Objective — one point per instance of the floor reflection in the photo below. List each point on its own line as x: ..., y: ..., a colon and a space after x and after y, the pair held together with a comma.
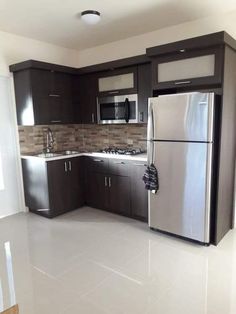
x: 90, y: 261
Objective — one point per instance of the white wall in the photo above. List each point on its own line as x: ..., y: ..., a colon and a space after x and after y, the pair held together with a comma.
x: 137, y: 45
x: 15, y: 49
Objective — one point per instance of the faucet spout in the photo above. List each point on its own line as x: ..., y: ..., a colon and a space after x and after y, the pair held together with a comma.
x: 49, y: 141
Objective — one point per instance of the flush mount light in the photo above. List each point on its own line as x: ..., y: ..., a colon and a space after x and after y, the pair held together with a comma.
x: 90, y: 16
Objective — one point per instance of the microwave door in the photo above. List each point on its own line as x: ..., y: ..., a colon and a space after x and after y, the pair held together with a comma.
x: 117, y: 109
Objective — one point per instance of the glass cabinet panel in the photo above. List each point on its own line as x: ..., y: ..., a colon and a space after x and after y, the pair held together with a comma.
x: 186, y: 68
x: 116, y: 82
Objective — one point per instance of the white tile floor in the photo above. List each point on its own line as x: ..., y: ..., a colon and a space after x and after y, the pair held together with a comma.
x: 93, y: 262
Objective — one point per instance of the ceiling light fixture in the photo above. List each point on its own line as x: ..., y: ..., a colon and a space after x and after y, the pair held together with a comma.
x: 90, y: 16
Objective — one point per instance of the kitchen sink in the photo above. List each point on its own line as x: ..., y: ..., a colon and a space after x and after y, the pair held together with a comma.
x: 48, y: 155
x: 70, y: 152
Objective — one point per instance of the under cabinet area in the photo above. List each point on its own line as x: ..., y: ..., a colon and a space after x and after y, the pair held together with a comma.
x: 53, y: 187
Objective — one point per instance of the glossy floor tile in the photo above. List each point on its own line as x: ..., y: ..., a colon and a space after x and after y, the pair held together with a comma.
x: 92, y: 262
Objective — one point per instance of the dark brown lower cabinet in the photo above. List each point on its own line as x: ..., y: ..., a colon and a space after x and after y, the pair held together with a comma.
x: 53, y: 187
x: 109, y: 192
x: 139, y: 198
x: 116, y: 186
x: 97, y: 190
x: 119, y: 194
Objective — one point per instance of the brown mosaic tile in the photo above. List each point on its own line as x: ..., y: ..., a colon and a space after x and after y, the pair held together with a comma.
x: 82, y: 137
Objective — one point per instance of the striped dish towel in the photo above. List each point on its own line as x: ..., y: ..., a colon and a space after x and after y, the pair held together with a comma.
x: 150, y: 178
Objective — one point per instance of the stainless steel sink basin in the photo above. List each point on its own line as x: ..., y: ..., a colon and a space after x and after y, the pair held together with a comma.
x: 70, y: 152
x: 48, y: 155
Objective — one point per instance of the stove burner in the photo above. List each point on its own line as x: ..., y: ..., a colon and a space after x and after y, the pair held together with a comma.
x: 122, y: 151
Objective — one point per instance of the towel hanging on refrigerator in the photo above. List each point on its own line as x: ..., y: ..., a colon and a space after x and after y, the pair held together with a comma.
x: 150, y: 178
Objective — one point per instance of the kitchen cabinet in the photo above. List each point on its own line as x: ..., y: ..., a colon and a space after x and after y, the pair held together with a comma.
x: 118, y: 82
x: 119, y: 194
x: 43, y: 97
x: 139, y: 196
x: 97, y: 190
x: 116, y: 185
x: 85, y: 94
x: 199, y: 67
x: 53, y: 187
x: 144, y: 91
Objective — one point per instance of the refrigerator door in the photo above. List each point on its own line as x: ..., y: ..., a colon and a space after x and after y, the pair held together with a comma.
x: 181, y: 117
x: 182, y: 204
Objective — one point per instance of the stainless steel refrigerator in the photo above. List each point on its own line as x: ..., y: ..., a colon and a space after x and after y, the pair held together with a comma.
x: 180, y: 144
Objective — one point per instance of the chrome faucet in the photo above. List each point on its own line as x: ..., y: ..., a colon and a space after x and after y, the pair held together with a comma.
x: 49, y: 141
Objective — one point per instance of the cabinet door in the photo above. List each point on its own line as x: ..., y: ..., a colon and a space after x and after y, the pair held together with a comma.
x: 188, y: 68
x: 75, y: 197
x: 121, y: 81
x: 139, y: 195
x: 86, y: 96
x: 144, y: 91
x: 98, y: 190
x: 120, y: 194
x: 62, y: 96
x: 41, y: 82
x: 58, y: 186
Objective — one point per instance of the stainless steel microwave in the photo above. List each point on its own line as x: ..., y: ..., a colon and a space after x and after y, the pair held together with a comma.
x: 117, y: 109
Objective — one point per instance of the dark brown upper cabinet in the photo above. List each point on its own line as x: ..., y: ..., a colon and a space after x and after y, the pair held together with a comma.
x: 144, y: 91
x: 43, y: 97
x: 200, y: 67
x: 85, y: 92
x: 118, y: 82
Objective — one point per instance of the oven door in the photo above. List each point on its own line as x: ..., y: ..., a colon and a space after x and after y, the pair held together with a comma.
x: 117, y: 109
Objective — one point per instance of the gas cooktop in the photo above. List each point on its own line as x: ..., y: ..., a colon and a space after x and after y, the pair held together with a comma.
x: 122, y: 151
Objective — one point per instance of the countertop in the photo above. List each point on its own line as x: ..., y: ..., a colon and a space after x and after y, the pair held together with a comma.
x: 139, y: 157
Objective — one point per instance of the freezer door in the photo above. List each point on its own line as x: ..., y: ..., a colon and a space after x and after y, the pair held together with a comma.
x: 181, y: 117
x: 182, y: 204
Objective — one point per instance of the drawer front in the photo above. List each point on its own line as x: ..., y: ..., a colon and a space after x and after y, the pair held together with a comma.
x: 98, y: 164
x: 120, y: 167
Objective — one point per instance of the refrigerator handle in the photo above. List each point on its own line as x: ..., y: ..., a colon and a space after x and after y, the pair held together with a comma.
x: 150, y: 126
x: 150, y: 133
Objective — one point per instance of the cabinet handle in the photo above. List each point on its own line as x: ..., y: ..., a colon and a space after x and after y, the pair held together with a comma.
x: 55, y: 121
x: 109, y: 180
x: 113, y: 92
x: 54, y: 95
x: 141, y: 117
x: 70, y: 166
x: 120, y: 163
x: 145, y: 165
x: 93, y: 119
x: 98, y: 160
x: 183, y: 82
x: 65, y: 166
x: 105, y: 181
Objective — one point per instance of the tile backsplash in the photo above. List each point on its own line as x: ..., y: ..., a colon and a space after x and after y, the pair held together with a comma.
x: 82, y: 137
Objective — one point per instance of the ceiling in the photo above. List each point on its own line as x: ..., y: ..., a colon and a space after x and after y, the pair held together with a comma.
x: 59, y: 22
